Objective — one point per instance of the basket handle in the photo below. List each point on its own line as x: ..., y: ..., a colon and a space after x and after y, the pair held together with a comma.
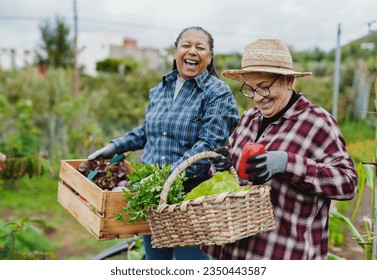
x: 180, y: 168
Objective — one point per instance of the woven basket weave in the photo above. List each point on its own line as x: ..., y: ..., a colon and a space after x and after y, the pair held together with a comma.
x: 209, y: 220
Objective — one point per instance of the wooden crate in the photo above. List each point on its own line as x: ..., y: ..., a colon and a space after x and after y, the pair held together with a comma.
x: 93, y: 207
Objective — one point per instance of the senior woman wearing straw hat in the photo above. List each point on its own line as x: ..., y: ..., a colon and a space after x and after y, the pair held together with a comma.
x: 307, y: 164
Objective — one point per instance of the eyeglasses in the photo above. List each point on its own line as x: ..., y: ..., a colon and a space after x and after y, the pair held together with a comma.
x: 249, y: 91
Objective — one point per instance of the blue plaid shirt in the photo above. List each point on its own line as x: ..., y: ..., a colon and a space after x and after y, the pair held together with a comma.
x: 201, y: 118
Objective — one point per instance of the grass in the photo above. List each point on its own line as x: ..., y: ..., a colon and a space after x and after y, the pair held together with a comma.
x: 360, y: 139
x: 357, y: 131
x: 22, y: 194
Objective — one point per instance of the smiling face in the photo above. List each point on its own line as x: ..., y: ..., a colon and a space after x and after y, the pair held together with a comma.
x: 192, y: 53
x: 280, y: 92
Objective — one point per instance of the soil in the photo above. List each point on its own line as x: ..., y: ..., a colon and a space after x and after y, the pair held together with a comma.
x: 70, y: 246
x: 350, y: 250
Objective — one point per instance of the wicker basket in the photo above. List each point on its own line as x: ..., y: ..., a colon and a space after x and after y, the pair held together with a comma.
x: 209, y: 220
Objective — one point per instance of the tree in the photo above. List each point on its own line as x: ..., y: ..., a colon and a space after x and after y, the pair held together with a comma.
x: 114, y: 65
x: 56, y: 47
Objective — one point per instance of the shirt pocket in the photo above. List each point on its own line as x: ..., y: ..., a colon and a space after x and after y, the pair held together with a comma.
x: 185, y: 125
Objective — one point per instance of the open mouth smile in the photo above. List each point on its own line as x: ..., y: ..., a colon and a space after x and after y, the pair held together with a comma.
x: 264, y: 103
x: 191, y: 63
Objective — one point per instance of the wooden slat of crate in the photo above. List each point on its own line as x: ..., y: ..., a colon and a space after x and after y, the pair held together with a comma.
x: 79, y: 209
x: 74, y: 179
x: 97, y: 211
x: 114, y: 202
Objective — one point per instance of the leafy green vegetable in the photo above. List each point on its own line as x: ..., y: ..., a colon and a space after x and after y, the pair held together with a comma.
x: 141, y: 171
x: 219, y: 183
x: 147, y: 181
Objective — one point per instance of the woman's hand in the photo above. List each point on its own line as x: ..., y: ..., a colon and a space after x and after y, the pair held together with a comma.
x: 223, y: 162
x: 264, y: 166
x: 106, y: 152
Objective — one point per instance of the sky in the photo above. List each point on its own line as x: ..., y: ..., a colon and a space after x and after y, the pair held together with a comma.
x: 302, y: 24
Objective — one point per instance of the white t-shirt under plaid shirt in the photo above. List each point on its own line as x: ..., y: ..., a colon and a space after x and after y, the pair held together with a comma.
x: 201, y: 118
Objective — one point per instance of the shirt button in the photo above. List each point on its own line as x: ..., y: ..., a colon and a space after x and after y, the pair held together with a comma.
x: 162, y: 157
x: 164, y: 133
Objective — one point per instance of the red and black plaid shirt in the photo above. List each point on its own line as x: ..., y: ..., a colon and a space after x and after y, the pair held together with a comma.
x: 319, y: 170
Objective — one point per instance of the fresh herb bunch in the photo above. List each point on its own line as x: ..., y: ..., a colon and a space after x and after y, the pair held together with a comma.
x: 147, y: 182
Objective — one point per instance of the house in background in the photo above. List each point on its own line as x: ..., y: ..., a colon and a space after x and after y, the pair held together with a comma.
x: 152, y: 57
x: 16, y: 58
x: 93, y: 47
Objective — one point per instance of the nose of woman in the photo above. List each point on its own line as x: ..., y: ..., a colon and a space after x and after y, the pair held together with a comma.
x: 193, y: 51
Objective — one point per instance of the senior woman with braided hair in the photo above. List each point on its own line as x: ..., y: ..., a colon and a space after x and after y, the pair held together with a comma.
x: 190, y: 111
x: 306, y: 164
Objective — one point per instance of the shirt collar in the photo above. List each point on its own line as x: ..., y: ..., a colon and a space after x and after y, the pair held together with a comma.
x: 172, y: 76
x: 297, y: 108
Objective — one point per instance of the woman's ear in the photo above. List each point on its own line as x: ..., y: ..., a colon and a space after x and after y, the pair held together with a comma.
x: 290, y: 81
x: 210, y: 59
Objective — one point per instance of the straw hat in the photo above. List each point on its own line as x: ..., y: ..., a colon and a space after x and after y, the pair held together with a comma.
x: 265, y: 55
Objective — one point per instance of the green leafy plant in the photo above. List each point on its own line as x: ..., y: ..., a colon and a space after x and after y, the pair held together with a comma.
x: 135, y: 250
x: 367, y: 176
x: 219, y: 183
x: 146, y: 184
x: 23, y: 239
